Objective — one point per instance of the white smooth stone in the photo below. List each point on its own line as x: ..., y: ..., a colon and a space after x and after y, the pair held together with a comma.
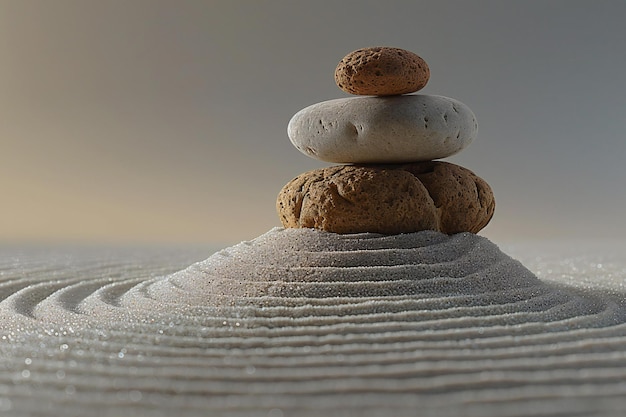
x: 406, y: 128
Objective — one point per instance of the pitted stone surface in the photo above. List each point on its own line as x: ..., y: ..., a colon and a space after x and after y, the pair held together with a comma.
x: 396, y: 129
x: 387, y: 199
x: 350, y: 199
x: 464, y: 201
x: 381, y: 71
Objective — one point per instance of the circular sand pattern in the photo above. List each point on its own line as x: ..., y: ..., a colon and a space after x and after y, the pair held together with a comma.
x: 302, y: 322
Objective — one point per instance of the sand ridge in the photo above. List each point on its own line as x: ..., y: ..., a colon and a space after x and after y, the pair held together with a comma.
x: 302, y: 322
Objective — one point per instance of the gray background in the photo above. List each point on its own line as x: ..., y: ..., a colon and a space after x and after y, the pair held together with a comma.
x: 165, y: 121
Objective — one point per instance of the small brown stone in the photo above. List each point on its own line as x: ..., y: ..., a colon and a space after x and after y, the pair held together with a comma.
x: 387, y: 199
x: 381, y: 71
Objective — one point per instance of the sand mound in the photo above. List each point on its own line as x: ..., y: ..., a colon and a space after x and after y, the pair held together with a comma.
x: 305, y: 276
x: 291, y: 267
x: 302, y: 322
x: 293, y: 277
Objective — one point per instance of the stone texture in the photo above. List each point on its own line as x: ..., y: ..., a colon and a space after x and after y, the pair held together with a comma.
x: 387, y: 199
x: 394, y: 129
x: 381, y: 71
x: 464, y: 201
x: 351, y: 199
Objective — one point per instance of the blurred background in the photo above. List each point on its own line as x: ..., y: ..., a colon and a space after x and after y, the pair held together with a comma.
x: 149, y: 121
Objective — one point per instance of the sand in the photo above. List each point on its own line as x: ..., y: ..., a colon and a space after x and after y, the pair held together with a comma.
x: 301, y: 322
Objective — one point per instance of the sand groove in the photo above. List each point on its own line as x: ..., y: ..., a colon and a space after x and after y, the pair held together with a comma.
x: 305, y: 323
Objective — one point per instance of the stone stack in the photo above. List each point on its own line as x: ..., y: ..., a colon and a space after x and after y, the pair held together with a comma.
x: 387, y: 140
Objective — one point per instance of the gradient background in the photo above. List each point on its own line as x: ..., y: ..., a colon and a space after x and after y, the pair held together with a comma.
x: 165, y: 121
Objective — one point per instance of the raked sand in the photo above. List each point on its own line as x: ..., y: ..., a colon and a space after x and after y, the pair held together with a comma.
x: 303, y: 323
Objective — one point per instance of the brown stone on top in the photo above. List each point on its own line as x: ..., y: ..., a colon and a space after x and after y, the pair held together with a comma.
x: 381, y: 71
x: 387, y: 199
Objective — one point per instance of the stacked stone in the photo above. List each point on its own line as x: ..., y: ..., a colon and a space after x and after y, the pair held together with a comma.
x: 386, y: 140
